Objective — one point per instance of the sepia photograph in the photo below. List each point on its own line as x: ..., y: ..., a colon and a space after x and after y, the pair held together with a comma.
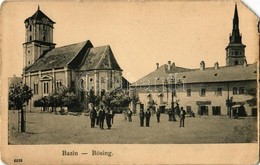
x: 143, y: 77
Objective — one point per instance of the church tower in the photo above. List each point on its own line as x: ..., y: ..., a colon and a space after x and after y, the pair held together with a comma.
x: 235, y: 51
x: 38, y: 37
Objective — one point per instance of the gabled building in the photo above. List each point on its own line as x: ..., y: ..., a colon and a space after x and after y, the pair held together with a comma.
x: 204, y: 90
x: 79, y: 66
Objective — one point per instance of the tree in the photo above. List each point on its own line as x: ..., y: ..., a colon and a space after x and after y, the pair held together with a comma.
x: 116, y: 98
x: 43, y: 102
x: 19, y: 95
x: 92, y: 98
x: 70, y: 100
x: 61, y: 97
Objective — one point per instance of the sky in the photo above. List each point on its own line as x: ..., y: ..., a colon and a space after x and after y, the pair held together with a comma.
x: 140, y: 33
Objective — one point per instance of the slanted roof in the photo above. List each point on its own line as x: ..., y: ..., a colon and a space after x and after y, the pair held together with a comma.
x: 99, y: 58
x: 125, y: 83
x: 38, y: 15
x: 223, y: 74
x: 159, y: 75
x: 70, y: 55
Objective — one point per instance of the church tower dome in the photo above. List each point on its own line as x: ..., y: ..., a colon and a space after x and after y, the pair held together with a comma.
x: 38, y: 37
x: 235, y: 51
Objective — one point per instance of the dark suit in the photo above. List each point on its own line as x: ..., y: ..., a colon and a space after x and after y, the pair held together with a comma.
x: 108, y: 119
x: 93, y: 115
x: 101, y: 116
x: 182, y: 117
x: 158, y: 114
x: 141, y: 115
x: 147, y: 118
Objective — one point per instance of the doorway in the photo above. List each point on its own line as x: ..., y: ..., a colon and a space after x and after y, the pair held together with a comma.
x: 203, y: 110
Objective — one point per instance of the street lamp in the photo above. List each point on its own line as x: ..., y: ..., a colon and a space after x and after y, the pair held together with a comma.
x: 169, y: 112
x: 229, y: 103
x: 174, y: 85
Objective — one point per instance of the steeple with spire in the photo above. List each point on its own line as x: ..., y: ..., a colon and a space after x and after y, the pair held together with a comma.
x: 235, y: 37
x: 235, y: 51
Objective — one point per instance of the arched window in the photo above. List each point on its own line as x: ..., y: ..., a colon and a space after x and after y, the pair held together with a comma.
x: 30, y: 28
x: 44, y: 38
x: 30, y: 38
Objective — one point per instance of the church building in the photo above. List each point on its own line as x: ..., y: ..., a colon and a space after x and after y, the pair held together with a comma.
x: 79, y: 66
x: 205, y: 90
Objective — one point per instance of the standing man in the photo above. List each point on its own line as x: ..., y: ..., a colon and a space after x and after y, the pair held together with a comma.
x: 182, y: 117
x: 108, y: 118
x: 125, y: 114
x: 158, y: 114
x: 101, y: 116
x: 93, y: 115
x: 147, y: 117
x: 129, y: 114
x: 97, y: 122
x: 113, y: 114
x: 141, y: 115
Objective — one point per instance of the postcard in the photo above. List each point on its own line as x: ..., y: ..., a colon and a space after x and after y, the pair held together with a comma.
x: 129, y: 82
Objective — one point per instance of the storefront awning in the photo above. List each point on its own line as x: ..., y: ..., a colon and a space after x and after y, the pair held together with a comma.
x: 235, y: 106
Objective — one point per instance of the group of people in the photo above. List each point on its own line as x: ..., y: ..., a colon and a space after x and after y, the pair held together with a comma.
x: 146, y: 116
x: 98, y: 117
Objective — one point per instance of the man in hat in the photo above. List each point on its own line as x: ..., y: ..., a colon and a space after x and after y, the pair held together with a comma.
x: 141, y: 115
x: 147, y: 117
x: 101, y: 116
x: 182, y: 117
x: 92, y: 114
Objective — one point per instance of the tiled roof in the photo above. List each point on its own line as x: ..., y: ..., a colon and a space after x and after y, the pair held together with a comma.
x: 159, y: 75
x: 70, y: 55
x: 38, y: 15
x: 222, y: 74
x: 99, y: 58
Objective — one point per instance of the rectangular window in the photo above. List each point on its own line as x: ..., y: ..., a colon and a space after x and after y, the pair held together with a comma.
x: 58, y: 84
x: 203, y: 92
x: 45, y: 88
x: 188, y: 92
x: 35, y: 88
x: 241, y: 90
x: 219, y: 92
x: 188, y: 108
x: 216, y: 110
x: 234, y: 90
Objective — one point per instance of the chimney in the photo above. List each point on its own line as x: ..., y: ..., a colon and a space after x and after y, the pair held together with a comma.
x: 202, y: 65
x: 157, y: 65
x: 245, y: 63
x: 216, y: 65
x: 169, y: 65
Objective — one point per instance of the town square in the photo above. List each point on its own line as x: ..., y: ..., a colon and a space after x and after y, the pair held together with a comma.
x: 129, y: 82
x: 82, y: 92
x: 75, y: 129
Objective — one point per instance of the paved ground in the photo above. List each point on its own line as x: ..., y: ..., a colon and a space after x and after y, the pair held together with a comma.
x: 46, y: 128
